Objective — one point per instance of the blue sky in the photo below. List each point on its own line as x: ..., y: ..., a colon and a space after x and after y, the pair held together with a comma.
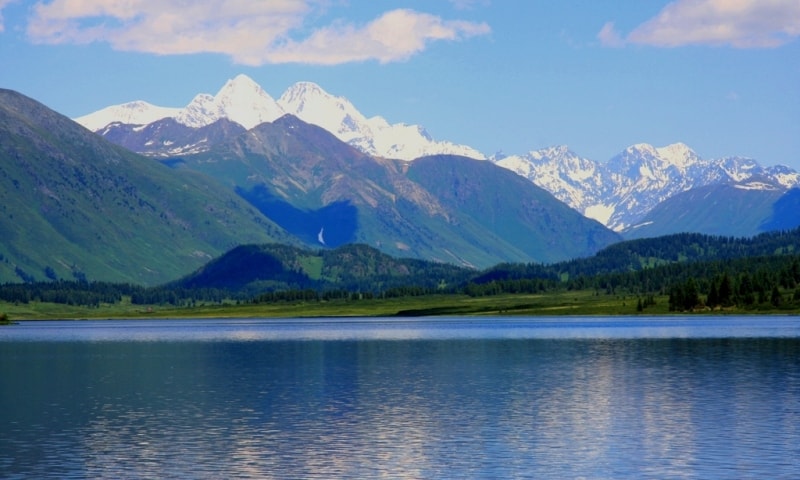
x: 722, y: 76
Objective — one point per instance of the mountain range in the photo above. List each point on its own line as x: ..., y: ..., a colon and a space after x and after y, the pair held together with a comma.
x: 619, y: 193
x: 446, y: 208
x: 75, y: 205
x: 223, y: 172
x: 244, y: 102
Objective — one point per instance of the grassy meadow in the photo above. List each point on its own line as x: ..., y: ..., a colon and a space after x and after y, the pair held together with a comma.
x: 552, y: 304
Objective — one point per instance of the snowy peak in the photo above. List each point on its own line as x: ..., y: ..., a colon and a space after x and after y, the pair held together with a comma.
x: 133, y: 113
x: 307, y: 94
x: 240, y: 85
x: 375, y: 136
x: 678, y: 154
x: 310, y: 103
x: 240, y: 100
x: 243, y: 101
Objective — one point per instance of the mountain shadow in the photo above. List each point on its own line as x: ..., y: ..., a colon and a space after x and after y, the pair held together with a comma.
x: 784, y: 212
x: 333, y: 225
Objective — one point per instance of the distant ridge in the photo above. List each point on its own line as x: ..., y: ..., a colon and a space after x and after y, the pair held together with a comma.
x: 620, y: 193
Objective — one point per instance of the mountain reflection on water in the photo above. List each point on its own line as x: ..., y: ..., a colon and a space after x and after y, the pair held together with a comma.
x: 440, y: 399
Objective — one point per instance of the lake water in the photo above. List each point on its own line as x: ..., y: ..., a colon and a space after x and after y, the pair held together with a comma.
x: 666, y: 397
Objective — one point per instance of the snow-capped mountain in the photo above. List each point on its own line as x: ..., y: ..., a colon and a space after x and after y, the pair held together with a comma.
x: 375, y: 136
x: 243, y: 101
x: 617, y: 193
x: 621, y: 191
x: 131, y: 113
x: 240, y: 100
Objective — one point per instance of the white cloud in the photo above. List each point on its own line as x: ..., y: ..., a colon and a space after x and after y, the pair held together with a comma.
x: 609, y: 37
x: 736, y: 23
x: 250, y: 32
x: 394, y: 36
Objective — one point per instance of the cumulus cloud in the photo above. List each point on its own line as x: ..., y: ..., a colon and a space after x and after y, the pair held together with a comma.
x: 250, y: 32
x: 736, y: 23
x: 394, y: 36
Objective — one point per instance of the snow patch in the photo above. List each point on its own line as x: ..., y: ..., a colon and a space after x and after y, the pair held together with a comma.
x: 754, y: 186
x: 601, y: 213
x: 643, y: 224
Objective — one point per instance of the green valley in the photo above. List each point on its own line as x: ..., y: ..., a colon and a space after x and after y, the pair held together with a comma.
x: 675, y: 274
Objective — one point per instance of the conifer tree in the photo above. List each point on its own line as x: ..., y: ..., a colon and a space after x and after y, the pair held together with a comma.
x: 776, y: 296
x: 713, y: 295
x: 691, y: 296
x: 725, y: 292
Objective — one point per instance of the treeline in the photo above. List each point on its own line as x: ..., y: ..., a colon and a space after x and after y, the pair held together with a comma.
x: 742, y: 290
x: 93, y: 294
x: 66, y: 292
x: 696, y: 271
x: 690, y: 285
x: 743, y: 282
x: 310, y: 295
x: 645, y: 253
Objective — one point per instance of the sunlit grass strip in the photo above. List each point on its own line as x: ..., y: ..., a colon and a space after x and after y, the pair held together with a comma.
x: 562, y: 303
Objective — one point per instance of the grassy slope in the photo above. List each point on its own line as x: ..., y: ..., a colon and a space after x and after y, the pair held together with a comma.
x: 563, y: 303
x: 713, y: 210
x: 75, y: 203
x: 445, y: 208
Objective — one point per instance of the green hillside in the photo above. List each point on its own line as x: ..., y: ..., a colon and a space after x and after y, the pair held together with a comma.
x: 326, y: 192
x: 352, y: 268
x: 521, y: 217
x: 730, y: 210
x: 73, y: 205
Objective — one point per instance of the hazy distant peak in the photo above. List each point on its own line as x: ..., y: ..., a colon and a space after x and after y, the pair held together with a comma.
x: 134, y: 113
x: 678, y: 154
x: 242, y: 82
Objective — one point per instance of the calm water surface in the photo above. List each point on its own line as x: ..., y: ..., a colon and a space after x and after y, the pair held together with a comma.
x: 701, y: 397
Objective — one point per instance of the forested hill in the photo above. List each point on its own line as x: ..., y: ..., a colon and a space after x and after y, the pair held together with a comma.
x: 636, y: 255
x: 275, y: 267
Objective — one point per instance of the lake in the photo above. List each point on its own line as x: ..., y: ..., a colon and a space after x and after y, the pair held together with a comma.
x: 567, y: 397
